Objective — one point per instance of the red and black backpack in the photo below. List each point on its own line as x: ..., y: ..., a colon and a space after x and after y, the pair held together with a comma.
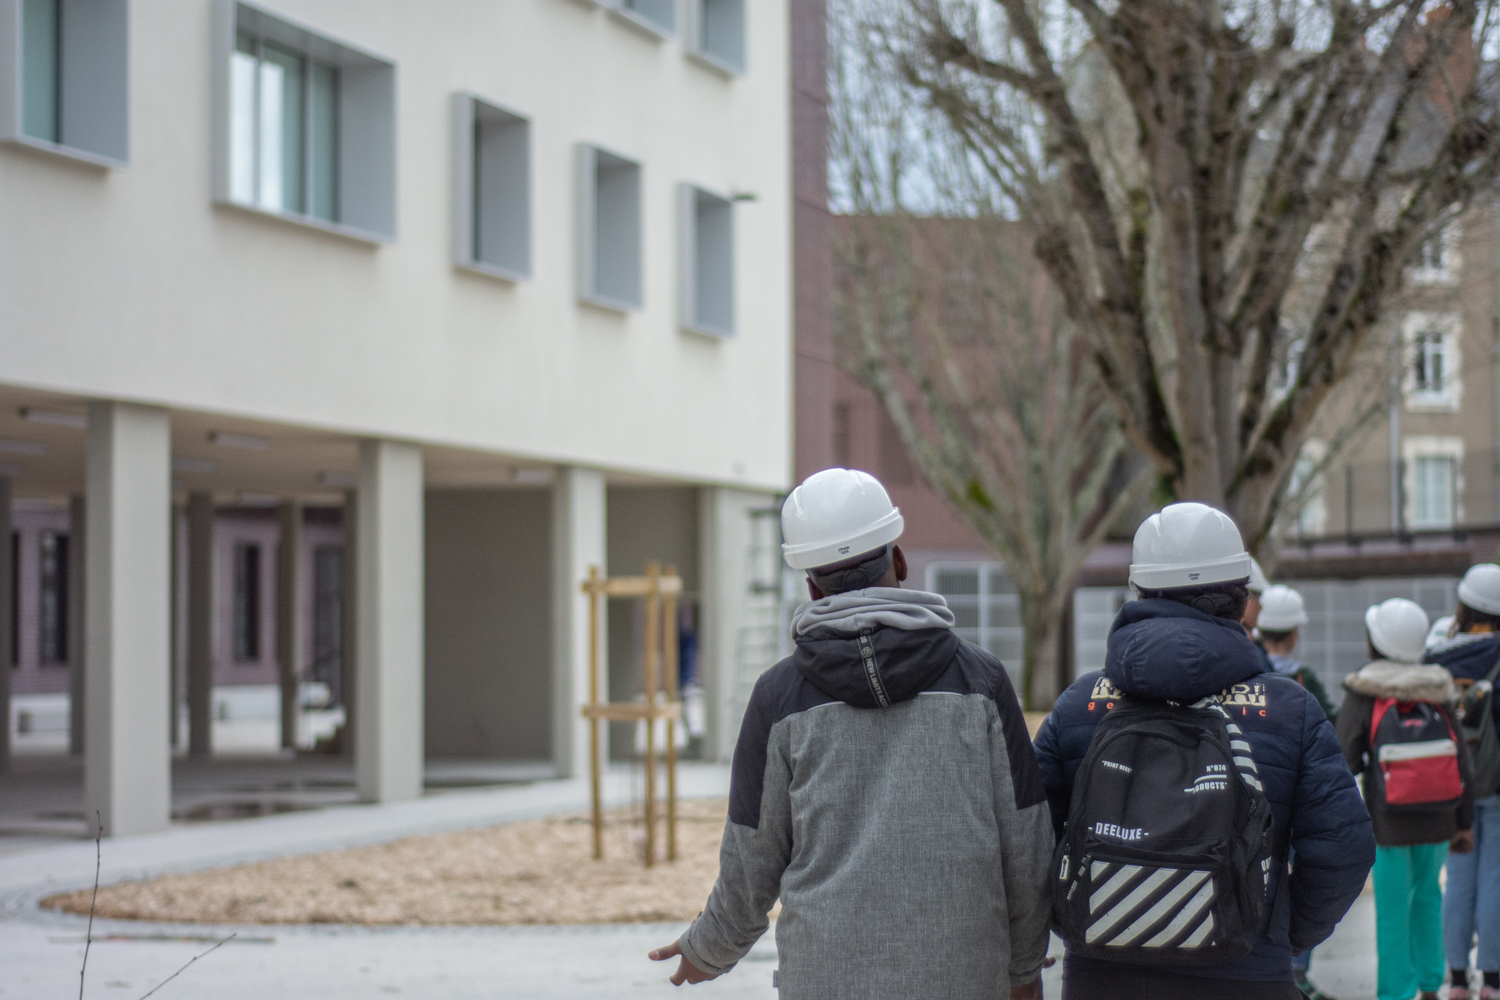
x: 1414, y: 756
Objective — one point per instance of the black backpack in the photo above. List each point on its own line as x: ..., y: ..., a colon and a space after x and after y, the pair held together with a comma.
x: 1167, y: 852
x: 1476, y: 712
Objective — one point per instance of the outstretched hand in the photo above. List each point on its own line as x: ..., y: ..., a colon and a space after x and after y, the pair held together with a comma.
x: 686, y: 972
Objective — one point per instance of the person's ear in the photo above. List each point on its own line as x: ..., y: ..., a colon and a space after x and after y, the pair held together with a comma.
x: 898, y: 563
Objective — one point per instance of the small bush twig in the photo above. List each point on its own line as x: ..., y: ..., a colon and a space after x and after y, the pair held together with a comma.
x: 190, y: 962
x: 89, y: 938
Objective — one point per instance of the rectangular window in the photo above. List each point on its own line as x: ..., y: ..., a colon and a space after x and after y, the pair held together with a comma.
x: 68, y: 92
x: 1427, y: 361
x: 283, y: 130
x: 328, y: 614
x: 247, y: 578
x: 1438, y: 259
x: 53, y: 613
x: 609, y: 259
x: 718, y: 33
x: 707, y: 264
x: 41, y: 69
x: 1433, y: 377
x: 1435, y: 481
x: 307, y: 125
x: 492, y: 189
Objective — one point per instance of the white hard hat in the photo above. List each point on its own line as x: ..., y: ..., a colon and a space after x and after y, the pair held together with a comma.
x: 1257, y: 582
x: 1440, y: 629
x: 1398, y: 629
x: 1281, y: 609
x: 1187, y: 545
x: 1480, y: 588
x: 836, y: 515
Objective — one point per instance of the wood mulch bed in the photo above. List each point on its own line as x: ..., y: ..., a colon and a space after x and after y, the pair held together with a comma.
x: 533, y: 872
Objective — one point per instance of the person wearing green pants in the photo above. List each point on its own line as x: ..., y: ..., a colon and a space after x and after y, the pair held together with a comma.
x: 1411, y: 841
x: 1409, y: 920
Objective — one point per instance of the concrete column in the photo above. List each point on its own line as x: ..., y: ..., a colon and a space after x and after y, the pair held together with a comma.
x: 578, y: 542
x: 7, y: 620
x: 349, y: 620
x: 77, y: 634
x: 724, y: 548
x: 288, y: 617
x: 200, y: 623
x: 174, y: 663
x: 127, y: 775
x: 388, y: 751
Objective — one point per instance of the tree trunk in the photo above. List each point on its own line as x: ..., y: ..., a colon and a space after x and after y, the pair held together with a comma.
x: 1040, y: 617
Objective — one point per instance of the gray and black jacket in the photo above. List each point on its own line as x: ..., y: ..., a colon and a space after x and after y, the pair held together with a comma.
x: 884, y: 787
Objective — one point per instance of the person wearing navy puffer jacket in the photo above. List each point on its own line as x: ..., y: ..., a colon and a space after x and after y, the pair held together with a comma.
x: 1182, y: 642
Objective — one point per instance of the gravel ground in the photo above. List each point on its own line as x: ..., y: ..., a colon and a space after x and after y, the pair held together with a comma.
x: 535, y: 872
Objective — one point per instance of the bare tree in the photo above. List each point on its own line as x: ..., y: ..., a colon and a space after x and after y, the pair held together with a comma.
x: 1209, y: 183
x: 953, y: 325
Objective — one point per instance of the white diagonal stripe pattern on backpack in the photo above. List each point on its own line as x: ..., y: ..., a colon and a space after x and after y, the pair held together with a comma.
x: 1198, y: 936
x: 1126, y: 906
x: 1096, y: 868
x: 1185, y: 916
x: 1118, y: 881
x: 1163, y: 906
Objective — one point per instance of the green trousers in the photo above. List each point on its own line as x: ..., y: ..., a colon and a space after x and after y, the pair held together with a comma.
x: 1409, y: 920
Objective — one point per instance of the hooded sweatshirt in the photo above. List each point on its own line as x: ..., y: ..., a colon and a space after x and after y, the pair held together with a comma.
x: 1160, y: 650
x: 884, y: 789
x: 1404, y: 682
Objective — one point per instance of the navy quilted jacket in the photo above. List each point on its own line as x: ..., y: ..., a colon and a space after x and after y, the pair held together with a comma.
x: 1160, y: 650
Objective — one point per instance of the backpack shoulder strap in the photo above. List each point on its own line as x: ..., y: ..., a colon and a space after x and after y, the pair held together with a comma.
x: 1382, y: 705
x: 1494, y: 671
x: 1239, y: 746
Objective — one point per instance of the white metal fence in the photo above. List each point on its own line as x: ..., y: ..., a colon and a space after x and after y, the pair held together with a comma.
x: 1332, y: 642
x: 986, y: 607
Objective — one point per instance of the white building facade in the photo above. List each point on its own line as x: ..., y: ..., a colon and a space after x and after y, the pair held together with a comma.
x: 502, y: 289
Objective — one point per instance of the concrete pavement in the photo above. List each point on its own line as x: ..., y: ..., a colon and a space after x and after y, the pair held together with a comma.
x: 40, y: 951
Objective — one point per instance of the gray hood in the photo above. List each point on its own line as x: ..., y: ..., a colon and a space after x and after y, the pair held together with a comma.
x: 1402, y: 681
x: 851, y: 612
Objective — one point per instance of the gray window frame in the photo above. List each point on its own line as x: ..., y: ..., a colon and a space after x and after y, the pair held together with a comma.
x: 623, y: 207
x: 366, y: 122
x: 695, y: 37
x: 93, y: 82
x: 692, y: 203
x: 491, y: 188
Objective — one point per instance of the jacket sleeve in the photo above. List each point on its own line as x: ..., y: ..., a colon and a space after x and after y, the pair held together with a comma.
x: 1026, y: 840
x: 1465, y: 816
x: 1330, y: 832
x: 1353, y: 729
x: 1054, y: 779
x: 756, y: 849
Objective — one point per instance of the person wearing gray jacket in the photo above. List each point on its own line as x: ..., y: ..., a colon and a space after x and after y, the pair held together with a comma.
x: 883, y: 788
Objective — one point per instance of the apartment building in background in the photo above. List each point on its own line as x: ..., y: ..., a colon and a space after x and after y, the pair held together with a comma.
x: 340, y: 339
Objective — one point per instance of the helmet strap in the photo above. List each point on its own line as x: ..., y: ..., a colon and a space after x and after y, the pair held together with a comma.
x: 840, y: 580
